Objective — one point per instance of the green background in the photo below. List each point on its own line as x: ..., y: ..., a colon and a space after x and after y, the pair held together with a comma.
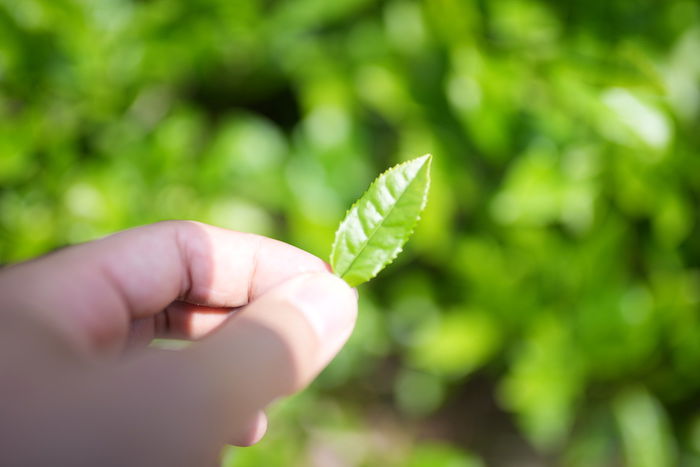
x: 546, y: 310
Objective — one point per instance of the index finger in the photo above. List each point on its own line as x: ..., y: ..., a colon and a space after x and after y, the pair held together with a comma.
x: 94, y: 290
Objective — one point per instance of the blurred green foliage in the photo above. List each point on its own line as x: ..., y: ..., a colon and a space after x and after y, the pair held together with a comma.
x: 546, y: 312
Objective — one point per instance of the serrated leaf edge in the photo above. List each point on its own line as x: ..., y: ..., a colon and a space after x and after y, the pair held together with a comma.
x: 408, y: 234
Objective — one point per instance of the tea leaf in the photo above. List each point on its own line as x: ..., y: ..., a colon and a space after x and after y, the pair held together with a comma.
x: 378, y: 225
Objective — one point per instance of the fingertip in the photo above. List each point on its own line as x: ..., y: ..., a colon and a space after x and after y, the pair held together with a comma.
x: 253, y: 433
x: 329, y: 305
x: 278, y: 343
x: 327, y: 302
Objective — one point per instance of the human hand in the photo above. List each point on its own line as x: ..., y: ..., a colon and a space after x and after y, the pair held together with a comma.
x: 80, y: 387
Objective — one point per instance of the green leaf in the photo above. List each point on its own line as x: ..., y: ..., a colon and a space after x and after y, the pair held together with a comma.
x: 379, y: 223
x: 646, y: 434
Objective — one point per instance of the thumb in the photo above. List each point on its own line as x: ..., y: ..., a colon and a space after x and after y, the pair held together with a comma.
x: 277, y: 344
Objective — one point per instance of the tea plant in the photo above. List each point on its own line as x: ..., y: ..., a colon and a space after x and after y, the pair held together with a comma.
x: 379, y: 223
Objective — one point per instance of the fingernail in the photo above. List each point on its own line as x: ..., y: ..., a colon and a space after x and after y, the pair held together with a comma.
x: 328, y: 303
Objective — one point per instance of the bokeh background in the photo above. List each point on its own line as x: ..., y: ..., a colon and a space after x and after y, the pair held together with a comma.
x: 545, y: 312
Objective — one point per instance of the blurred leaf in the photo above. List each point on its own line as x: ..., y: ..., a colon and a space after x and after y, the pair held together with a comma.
x: 418, y: 393
x: 645, y: 433
x: 441, y: 455
x: 545, y: 384
x: 461, y: 342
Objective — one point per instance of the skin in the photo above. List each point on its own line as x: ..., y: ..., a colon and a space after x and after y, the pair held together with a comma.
x: 79, y: 385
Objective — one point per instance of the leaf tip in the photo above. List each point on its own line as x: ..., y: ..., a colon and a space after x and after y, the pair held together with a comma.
x: 425, y: 158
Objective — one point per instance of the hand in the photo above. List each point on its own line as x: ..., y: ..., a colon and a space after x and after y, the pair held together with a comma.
x: 78, y: 386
